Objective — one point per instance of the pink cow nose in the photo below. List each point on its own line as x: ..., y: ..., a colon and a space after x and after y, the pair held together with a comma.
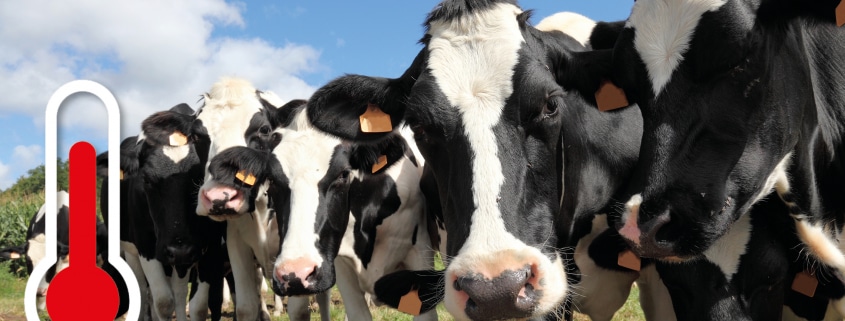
x: 222, y: 198
x: 299, y: 270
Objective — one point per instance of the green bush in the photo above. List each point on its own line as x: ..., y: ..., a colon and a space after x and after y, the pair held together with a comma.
x: 15, y: 213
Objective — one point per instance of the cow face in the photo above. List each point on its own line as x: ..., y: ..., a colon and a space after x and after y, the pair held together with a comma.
x: 723, y: 88
x: 234, y: 113
x: 315, y: 183
x: 485, y: 110
x: 171, y: 159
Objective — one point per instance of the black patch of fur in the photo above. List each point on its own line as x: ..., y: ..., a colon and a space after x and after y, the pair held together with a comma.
x: 390, y: 288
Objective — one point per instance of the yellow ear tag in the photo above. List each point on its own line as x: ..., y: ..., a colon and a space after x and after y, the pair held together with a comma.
x: 374, y: 120
x: 178, y: 139
x: 805, y: 283
x: 248, y: 179
x: 610, y: 97
x: 382, y: 161
x: 628, y: 259
x: 840, y: 14
x: 15, y: 255
x: 121, y: 174
x: 410, y: 303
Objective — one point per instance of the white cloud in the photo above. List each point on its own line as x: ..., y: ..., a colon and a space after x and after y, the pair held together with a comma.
x: 150, y: 54
x: 28, y: 155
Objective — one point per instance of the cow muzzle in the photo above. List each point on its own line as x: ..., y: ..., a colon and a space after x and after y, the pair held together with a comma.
x: 221, y: 202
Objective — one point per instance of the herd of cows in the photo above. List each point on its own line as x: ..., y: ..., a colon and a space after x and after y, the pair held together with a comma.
x: 696, y: 149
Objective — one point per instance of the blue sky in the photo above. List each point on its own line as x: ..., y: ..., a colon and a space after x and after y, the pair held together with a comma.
x: 156, y: 54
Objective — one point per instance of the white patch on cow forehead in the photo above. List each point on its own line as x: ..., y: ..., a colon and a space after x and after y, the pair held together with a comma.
x: 473, y: 60
x: 305, y: 157
x: 227, y: 111
x: 662, y: 32
x: 728, y: 249
x: 176, y: 153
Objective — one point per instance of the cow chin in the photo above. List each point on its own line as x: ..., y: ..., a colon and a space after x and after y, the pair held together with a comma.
x: 540, y: 285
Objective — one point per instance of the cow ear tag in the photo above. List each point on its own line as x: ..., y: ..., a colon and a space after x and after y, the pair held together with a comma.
x: 382, y: 162
x: 410, y: 303
x: 374, y: 120
x: 610, y: 97
x: 805, y: 283
x: 628, y: 259
x: 840, y: 14
x: 178, y: 139
x: 121, y: 174
x: 248, y: 179
x: 63, y: 299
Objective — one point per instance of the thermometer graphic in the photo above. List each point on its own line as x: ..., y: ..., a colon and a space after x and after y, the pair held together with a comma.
x: 61, y: 302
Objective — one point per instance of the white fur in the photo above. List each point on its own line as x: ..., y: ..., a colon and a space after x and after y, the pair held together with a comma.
x: 777, y: 175
x: 176, y: 153
x: 728, y: 249
x: 663, y: 31
x: 570, y: 23
x: 654, y: 296
x: 305, y: 157
x: 473, y: 60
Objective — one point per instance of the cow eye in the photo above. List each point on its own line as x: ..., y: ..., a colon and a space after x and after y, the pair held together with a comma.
x: 343, y: 177
x: 551, y: 106
x: 264, y: 130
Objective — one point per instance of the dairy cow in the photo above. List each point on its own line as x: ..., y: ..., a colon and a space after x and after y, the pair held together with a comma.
x: 347, y: 213
x: 162, y: 239
x: 233, y: 115
x: 738, y: 99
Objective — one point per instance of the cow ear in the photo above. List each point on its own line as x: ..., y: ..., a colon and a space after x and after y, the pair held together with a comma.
x: 337, y: 107
x: 428, y: 285
x: 168, y: 128
x: 589, y: 72
x: 377, y: 158
x: 605, y: 34
x: 183, y: 109
x: 129, y: 163
x: 242, y: 166
x: 279, y: 113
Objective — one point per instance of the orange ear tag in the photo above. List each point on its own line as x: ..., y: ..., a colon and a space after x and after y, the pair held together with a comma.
x: 374, y: 120
x: 628, y: 259
x: 805, y: 283
x: 248, y: 179
x: 410, y: 303
x: 840, y: 14
x: 178, y: 139
x: 382, y: 161
x: 610, y: 97
x: 121, y: 174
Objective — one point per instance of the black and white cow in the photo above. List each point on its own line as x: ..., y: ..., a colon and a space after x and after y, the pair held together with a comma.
x: 485, y: 107
x: 738, y: 98
x: 233, y: 115
x: 344, y: 216
x: 35, y: 250
x: 163, y: 239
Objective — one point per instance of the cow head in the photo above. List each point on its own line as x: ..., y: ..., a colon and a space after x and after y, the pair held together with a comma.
x: 485, y: 109
x: 316, y: 182
x: 171, y: 151
x: 234, y: 113
x: 724, y: 92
